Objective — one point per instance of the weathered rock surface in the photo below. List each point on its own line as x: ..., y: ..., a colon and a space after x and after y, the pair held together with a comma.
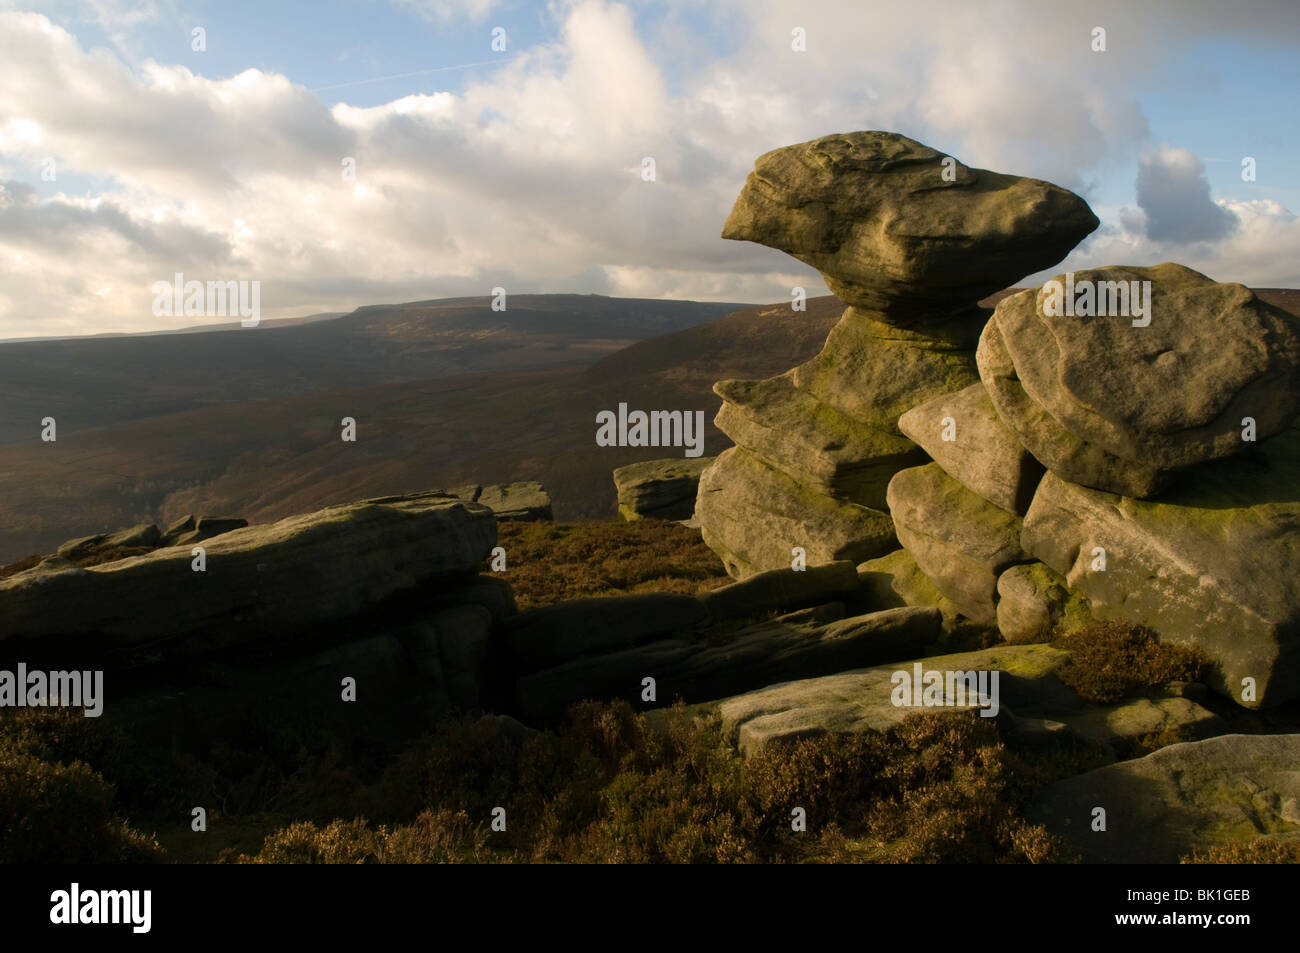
x: 1129, y: 722
x: 811, y: 441
x: 875, y: 372
x: 565, y: 631
x: 1050, y: 443
x: 961, y: 541
x: 696, y: 671
x: 659, y: 489
x: 876, y: 214
x: 964, y: 435
x: 1034, y: 601
x: 895, y: 580
x: 1212, y: 564
x: 1169, y: 394
x: 260, y: 581
x: 520, y: 502
x: 1179, y: 799
x: 779, y: 589
x: 862, y: 700
x: 752, y: 516
x: 144, y: 536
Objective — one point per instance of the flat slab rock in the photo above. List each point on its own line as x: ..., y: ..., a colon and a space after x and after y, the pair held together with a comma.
x: 261, y: 581
x: 861, y: 700
x: 659, y: 489
x: 1179, y: 799
x: 819, y: 446
x: 1137, y: 718
x: 511, y: 502
x: 781, y: 589
x: 758, y: 655
x: 896, y: 225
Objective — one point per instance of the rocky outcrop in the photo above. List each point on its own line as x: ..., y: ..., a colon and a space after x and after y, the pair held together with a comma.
x: 910, y: 240
x: 1178, y: 800
x: 254, y: 583
x: 142, y: 537
x: 1156, y: 401
x: 510, y: 502
x: 759, y: 655
x: 659, y: 489
x: 1212, y: 564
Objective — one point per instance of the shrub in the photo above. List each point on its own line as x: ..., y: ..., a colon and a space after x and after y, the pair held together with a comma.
x: 61, y: 813
x: 615, y: 786
x: 553, y: 562
x: 1113, y: 660
x: 1261, y: 850
x: 434, y: 838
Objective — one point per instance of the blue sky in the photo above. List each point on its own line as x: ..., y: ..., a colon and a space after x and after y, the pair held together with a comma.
x: 523, y: 170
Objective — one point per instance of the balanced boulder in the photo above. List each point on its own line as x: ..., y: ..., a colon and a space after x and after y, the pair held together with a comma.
x: 898, y: 227
x: 911, y: 240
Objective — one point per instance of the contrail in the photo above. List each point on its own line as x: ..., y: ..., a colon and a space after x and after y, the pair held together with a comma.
x: 418, y: 72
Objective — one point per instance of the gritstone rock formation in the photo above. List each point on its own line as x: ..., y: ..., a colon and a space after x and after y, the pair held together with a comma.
x: 1120, y: 445
x: 911, y: 241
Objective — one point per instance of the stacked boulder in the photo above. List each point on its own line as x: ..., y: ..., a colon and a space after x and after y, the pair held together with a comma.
x: 1122, y: 443
x: 1132, y: 412
x: 910, y: 240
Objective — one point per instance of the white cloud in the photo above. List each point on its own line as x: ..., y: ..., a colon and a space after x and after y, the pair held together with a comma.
x: 1175, y: 197
x: 446, y: 11
x: 530, y: 178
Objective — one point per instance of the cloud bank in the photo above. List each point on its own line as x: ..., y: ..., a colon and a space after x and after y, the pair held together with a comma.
x: 530, y: 178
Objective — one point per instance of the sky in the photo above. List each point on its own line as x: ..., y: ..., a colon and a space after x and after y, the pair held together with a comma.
x: 501, y: 143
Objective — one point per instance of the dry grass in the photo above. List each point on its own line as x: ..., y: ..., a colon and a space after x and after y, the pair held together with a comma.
x: 612, y: 787
x: 555, y: 562
x: 1263, y: 850
x: 1114, y: 660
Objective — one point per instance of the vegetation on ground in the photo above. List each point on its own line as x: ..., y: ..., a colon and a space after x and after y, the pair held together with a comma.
x: 1261, y: 850
x: 1114, y: 660
x: 611, y: 785
x: 555, y: 562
